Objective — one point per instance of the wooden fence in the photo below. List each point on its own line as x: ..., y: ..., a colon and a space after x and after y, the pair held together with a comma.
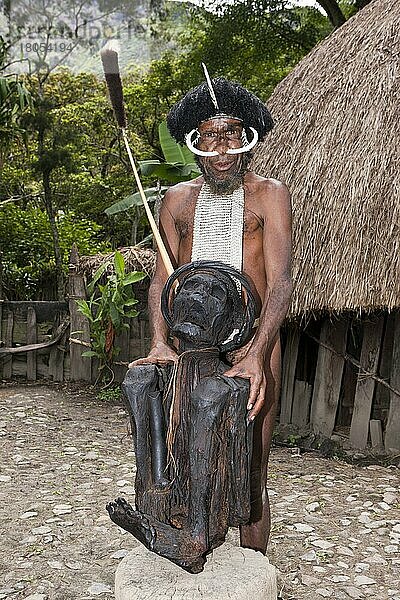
x: 46, y: 340
x: 34, y: 339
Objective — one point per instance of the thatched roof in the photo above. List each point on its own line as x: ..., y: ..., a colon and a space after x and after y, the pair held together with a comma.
x: 337, y: 146
x: 136, y: 259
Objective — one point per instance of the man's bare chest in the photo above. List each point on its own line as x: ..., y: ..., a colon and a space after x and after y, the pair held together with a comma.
x: 252, y: 222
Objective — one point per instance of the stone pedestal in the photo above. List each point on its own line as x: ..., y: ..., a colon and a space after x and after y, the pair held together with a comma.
x: 230, y: 572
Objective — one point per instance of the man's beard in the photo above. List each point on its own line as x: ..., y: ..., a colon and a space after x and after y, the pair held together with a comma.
x: 231, y: 182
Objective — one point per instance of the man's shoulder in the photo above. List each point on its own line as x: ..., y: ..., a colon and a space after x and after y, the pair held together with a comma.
x: 184, y: 189
x: 179, y: 197
x: 257, y: 183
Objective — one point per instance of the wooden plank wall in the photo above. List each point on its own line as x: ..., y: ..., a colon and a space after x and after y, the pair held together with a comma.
x: 328, y: 376
x: 370, y: 352
x: 288, y: 373
x: 392, y: 436
x: 374, y: 415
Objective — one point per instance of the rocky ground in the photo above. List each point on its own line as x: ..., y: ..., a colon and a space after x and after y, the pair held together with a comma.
x: 66, y: 453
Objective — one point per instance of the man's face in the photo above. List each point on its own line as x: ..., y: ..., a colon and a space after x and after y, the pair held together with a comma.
x: 224, y: 173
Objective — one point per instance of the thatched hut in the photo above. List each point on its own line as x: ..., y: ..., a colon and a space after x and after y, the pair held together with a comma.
x: 337, y: 146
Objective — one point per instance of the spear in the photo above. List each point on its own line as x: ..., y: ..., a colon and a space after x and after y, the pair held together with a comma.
x: 109, y: 58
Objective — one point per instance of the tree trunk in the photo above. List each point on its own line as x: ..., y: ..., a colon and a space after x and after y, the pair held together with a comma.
x: 1, y: 279
x: 362, y: 3
x: 54, y: 232
x: 332, y: 9
x: 48, y: 203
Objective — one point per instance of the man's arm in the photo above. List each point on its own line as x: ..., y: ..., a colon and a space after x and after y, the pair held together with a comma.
x: 277, y: 250
x: 160, y: 351
x: 277, y: 246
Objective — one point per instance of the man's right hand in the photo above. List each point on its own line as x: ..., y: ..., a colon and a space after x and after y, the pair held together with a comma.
x: 160, y: 354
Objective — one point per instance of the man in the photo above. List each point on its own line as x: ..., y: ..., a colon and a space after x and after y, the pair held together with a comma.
x: 235, y: 216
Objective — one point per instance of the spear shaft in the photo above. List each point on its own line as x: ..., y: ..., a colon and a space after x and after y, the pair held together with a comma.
x: 109, y: 57
x: 160, y: 244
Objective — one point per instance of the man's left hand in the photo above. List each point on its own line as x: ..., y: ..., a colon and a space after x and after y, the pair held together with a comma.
x: 252, y: 367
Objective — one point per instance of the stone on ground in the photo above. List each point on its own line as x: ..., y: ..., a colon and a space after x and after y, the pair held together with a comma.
x: 230, y: 572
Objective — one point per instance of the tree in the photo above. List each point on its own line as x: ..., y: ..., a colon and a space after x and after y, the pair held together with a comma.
x: 33, y: 46
x: 27, y: 247
x: 256, y: 42
x: 14, y: 101
x: 333, y: 11
x: 339, y: 12
x: 86, y: 169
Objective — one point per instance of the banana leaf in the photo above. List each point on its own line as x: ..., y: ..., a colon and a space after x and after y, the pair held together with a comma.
x: 173, y: 152
x: 172, y: 172
x: 134, y: 200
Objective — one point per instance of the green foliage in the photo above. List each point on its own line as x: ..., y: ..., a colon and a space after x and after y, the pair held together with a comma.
x: 173, y: 153
x: 111, y: 395
x: 179, y: 163
x: 27, y: 250
x: 135, y: 200
x: 70, y: 135
x: 108, y: 308
x: 15, y: 99
x: 255, y: 42
x: 171, y: 172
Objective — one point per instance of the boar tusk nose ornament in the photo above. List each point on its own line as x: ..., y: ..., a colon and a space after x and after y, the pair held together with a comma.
x: 248, y: 146
x: 190, y: 143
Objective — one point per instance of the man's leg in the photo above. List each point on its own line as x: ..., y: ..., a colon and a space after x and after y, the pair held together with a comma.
x: 255, y: 535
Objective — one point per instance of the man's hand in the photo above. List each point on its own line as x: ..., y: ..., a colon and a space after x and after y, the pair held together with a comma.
x: 160, y: 354
x: 252, y: 367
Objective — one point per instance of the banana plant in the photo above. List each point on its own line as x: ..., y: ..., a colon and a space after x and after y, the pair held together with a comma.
x: 108, y: 309
x: 179, y: 165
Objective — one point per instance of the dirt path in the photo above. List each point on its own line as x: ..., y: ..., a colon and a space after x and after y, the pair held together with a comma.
x: 65, y: 454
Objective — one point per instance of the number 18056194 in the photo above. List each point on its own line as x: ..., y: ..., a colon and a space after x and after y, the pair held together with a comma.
x: 45, y: 47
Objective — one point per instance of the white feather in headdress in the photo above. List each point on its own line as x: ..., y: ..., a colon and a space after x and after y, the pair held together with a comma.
x: 210, y: 87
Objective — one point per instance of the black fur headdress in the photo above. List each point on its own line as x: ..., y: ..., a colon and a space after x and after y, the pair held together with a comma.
x: 233, y: 100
